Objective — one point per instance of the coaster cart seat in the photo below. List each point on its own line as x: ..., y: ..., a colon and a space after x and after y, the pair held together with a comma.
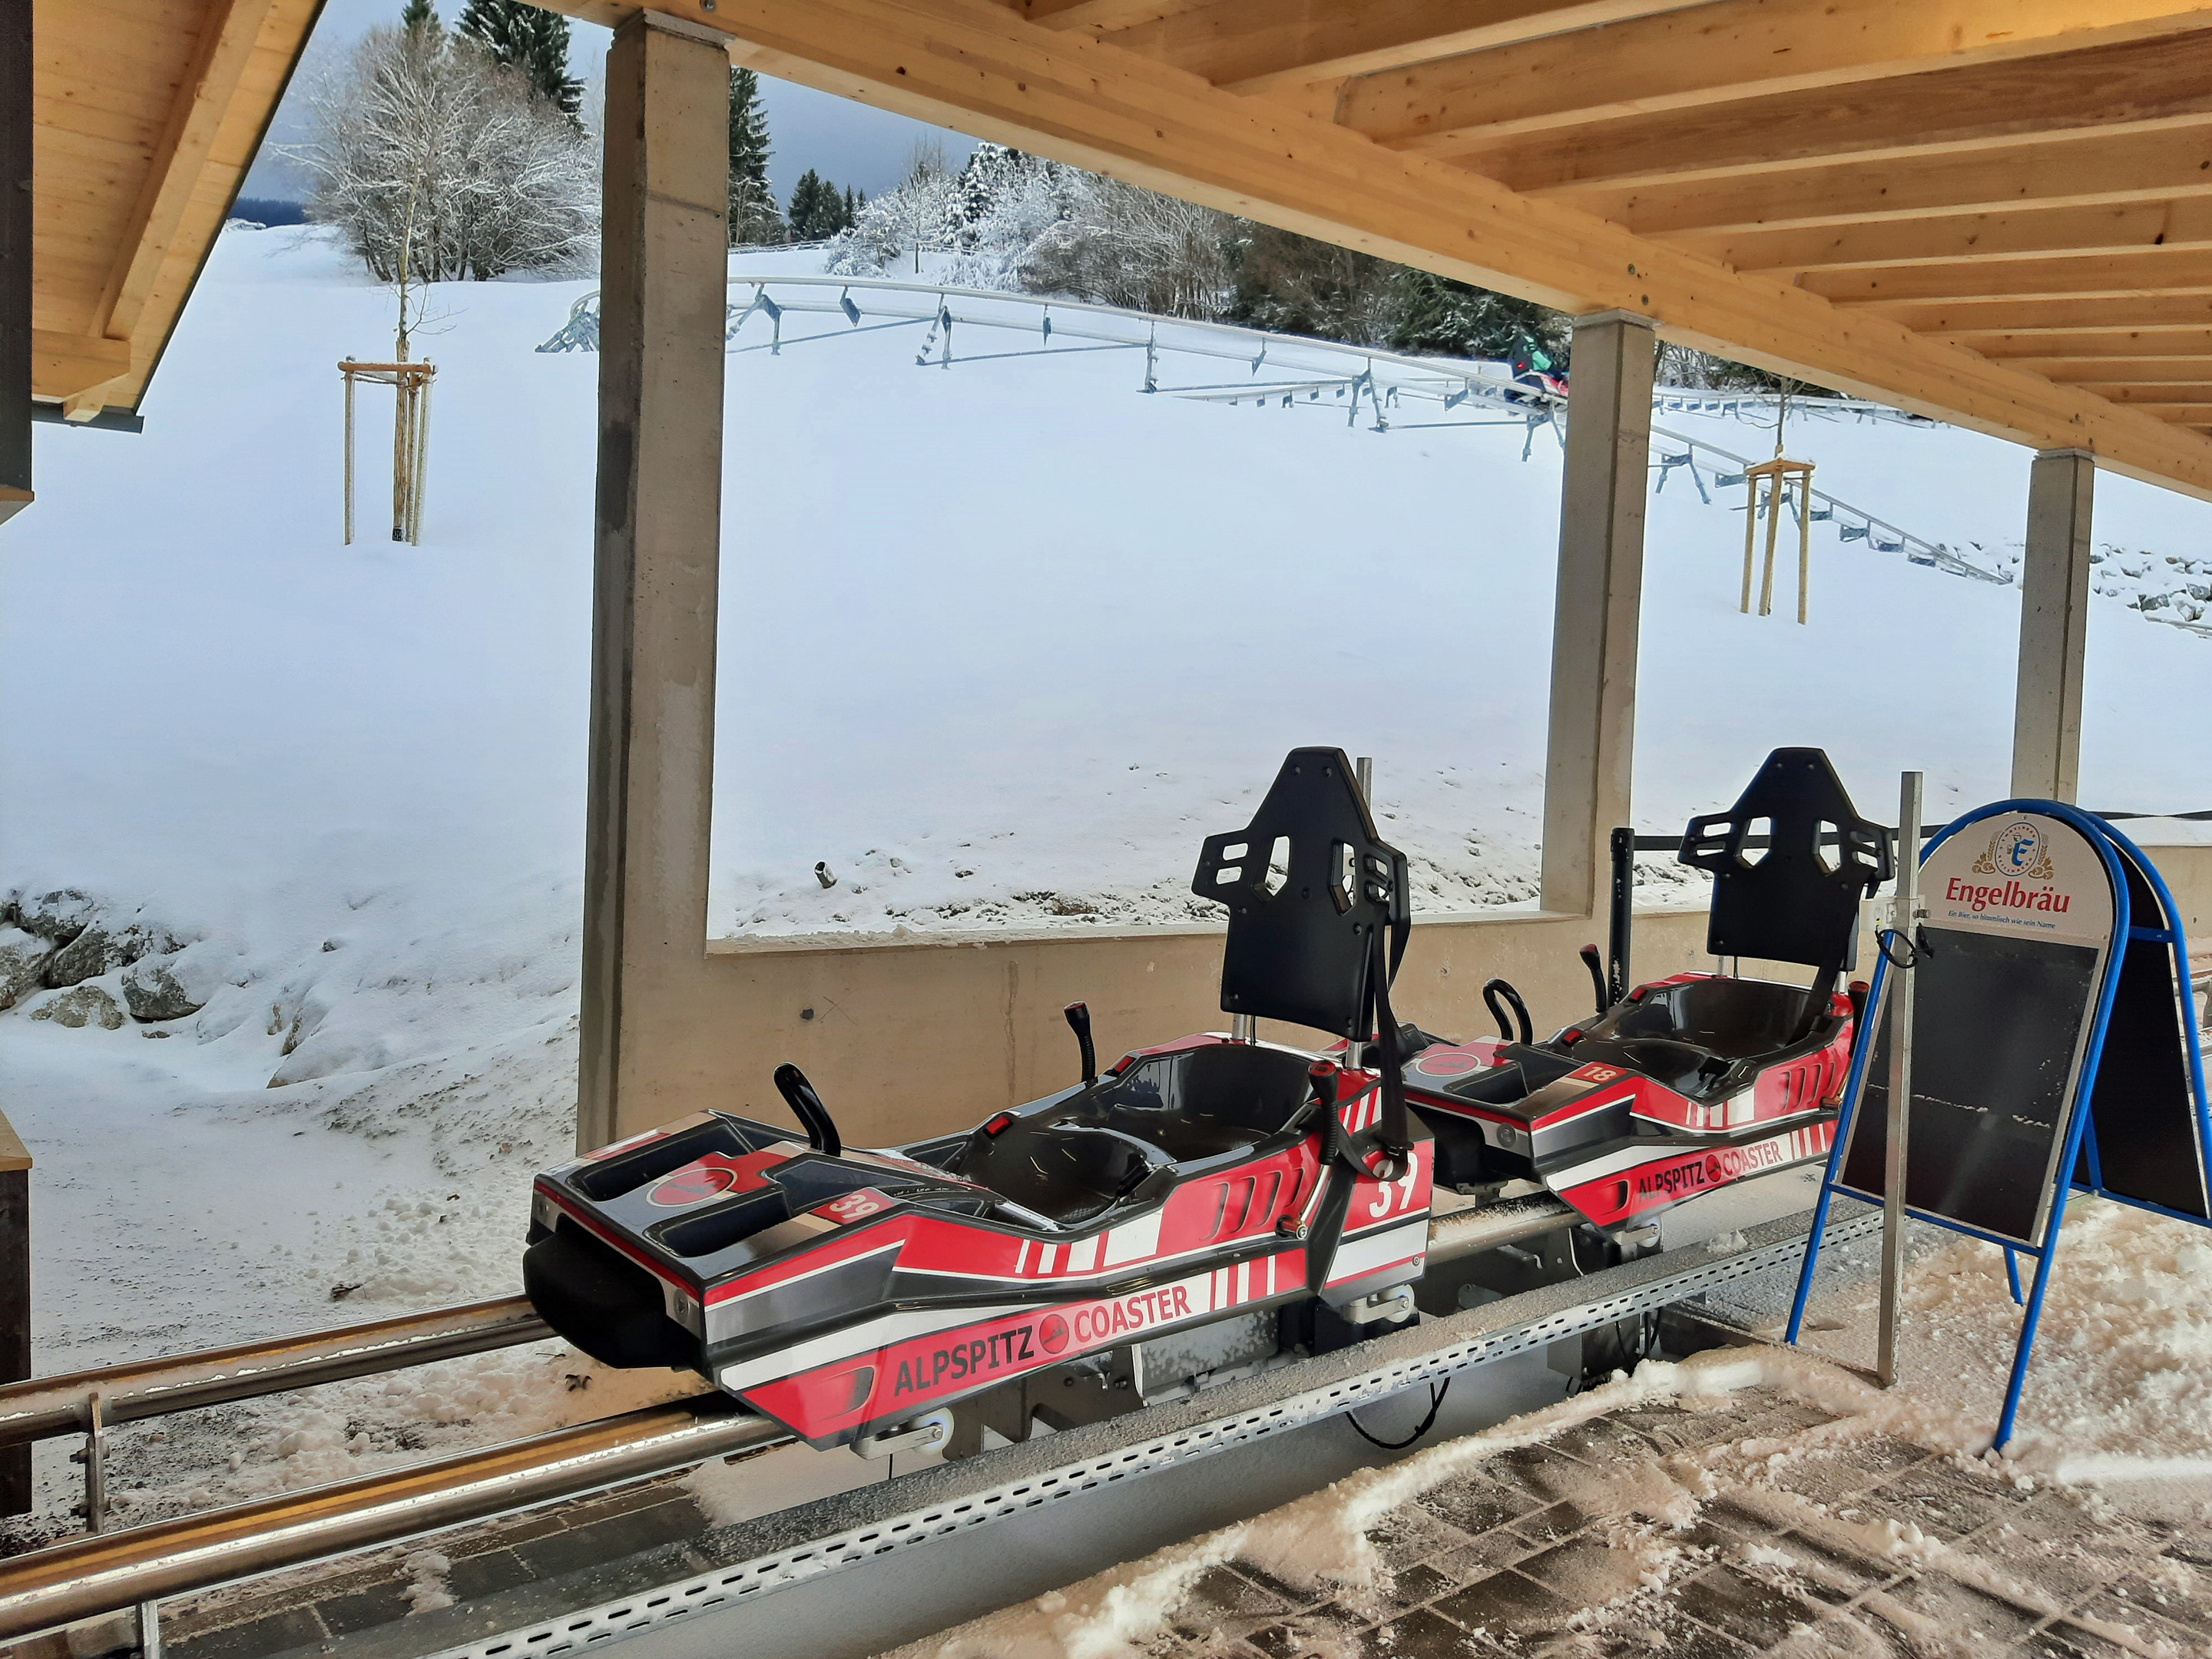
x: 1689, y: 1083
x: 844, y: 1292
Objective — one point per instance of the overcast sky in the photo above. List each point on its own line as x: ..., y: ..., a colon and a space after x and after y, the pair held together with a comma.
x: 848, y: 143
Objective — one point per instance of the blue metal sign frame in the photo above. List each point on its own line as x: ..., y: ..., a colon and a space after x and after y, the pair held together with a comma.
x: 2072, y: 1168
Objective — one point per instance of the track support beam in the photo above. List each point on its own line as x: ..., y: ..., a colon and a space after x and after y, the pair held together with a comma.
x: 657, y: 556
x: 2046, y: 733
x: 1599, y: 606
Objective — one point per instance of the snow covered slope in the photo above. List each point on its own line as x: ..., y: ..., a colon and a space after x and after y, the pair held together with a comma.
x: 999, y: 643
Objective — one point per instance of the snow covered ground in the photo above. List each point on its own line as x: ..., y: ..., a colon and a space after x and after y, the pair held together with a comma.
x: 999, y: 644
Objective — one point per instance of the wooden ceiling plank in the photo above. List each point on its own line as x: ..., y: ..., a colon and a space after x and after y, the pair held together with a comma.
x: 2091, y: 170
x: 2129, y: 345
x: 2137, y: 227
x: 64, y: 365
x: 1727, y: 51
x: 1966, y: 321
x: 227, y: 34
x: 1266, y: 46
x: 2121, y: 371
x: 2113, y: 276
x: 2137, y: 87
x: 973, y: 64
x: 1097, y: 15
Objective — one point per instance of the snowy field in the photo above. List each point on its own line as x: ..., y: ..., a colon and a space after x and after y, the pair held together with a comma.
x: 999, y: 643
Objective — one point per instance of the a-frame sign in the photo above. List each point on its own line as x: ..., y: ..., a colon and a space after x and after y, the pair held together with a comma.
x: 2054, y: 1047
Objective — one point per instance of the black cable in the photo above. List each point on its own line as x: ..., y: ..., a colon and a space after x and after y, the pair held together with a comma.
x: 1436, y: 1393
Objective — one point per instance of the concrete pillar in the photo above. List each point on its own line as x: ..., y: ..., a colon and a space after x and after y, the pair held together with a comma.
x: 1596, y: 615
x: 15, y: 256
x: 2054, y: 618
x: 657, y: 555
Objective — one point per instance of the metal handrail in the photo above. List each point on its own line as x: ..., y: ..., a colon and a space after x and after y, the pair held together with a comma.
x: 46, y: 1406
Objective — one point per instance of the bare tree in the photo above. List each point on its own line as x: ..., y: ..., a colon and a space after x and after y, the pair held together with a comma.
x: 428, y: 150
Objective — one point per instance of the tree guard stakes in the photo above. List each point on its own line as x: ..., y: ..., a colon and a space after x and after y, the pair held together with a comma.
x: 1781, y: 477
x: 2053, y: 1048
x: 411, y: 441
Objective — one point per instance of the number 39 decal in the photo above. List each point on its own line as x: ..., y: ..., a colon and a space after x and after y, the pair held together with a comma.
x: 854, y: 1206
x: 1396, y: 1194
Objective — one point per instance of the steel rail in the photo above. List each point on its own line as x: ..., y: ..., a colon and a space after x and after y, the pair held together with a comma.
x: 105, y: 1573
x: 46, y: 1406
x: 108, y: 1572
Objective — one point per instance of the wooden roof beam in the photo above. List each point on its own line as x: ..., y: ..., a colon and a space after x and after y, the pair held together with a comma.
x: 1729, y: 51
x: 1969, y: 322
x: 2086, y: 169
x: 2123, y: 371
x: 65, y: 366
x: 2186, y: 223
x: 2111, y: 276
x: 1268, y: 46
x: 228, y: 30
x: 2140, y: 346
x: 973, y: 64
x: 2139, y: 87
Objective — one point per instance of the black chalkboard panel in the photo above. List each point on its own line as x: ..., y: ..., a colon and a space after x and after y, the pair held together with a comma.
x: 2142, y: 1104
x: 1996, y: 1020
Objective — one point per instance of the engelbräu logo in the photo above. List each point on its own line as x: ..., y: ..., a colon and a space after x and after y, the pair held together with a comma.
x: 2017, y: 850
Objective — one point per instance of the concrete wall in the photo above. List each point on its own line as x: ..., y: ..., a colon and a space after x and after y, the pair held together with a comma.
x: 906, y: 1037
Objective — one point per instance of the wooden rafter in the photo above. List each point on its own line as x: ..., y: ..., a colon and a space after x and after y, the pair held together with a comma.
x: 974, y: 64
x: 228, y: 29
x: 2137, y: 229
x: 2094, y: 372
x: 2089, y: 169
x: 1727, y: 51
x: 2139, y: 86
x: 1967, y: 322
x: 2114, y: 276
x: 2135, y: 344
x: 1268, y: 46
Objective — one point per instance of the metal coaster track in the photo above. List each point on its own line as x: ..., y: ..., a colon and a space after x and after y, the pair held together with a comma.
x: 1301, y: 371
x: 104, y: 1572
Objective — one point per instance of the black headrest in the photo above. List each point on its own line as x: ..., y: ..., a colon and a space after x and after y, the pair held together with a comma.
x: 1798, y: 899
x: 1307, y: 884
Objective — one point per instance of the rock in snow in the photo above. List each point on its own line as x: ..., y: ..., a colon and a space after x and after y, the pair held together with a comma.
x: 60, y: 915
x: 92, y: 953
x: 155, y: 989
x: 22, y: 963
x: 81, y: 1005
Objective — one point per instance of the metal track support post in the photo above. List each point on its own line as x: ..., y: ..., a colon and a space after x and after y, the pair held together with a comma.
x: 1905, y: 922
x: 657, y: 563
x: 1598, y: 606
x: 348, y: 457
x: 2046, y: 730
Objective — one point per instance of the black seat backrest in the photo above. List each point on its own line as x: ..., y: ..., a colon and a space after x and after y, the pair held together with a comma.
x: 1798, y: 899
x: 1309, y: 884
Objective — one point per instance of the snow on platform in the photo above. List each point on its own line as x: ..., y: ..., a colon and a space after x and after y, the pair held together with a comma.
x: 1719, y: 1520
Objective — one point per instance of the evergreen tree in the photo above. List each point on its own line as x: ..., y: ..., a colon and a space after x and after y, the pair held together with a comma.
x: 419, y: 14
x: 535, y: 41
x: 753, y: 217
x: 819, y: 210
x: 1432, y: 313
